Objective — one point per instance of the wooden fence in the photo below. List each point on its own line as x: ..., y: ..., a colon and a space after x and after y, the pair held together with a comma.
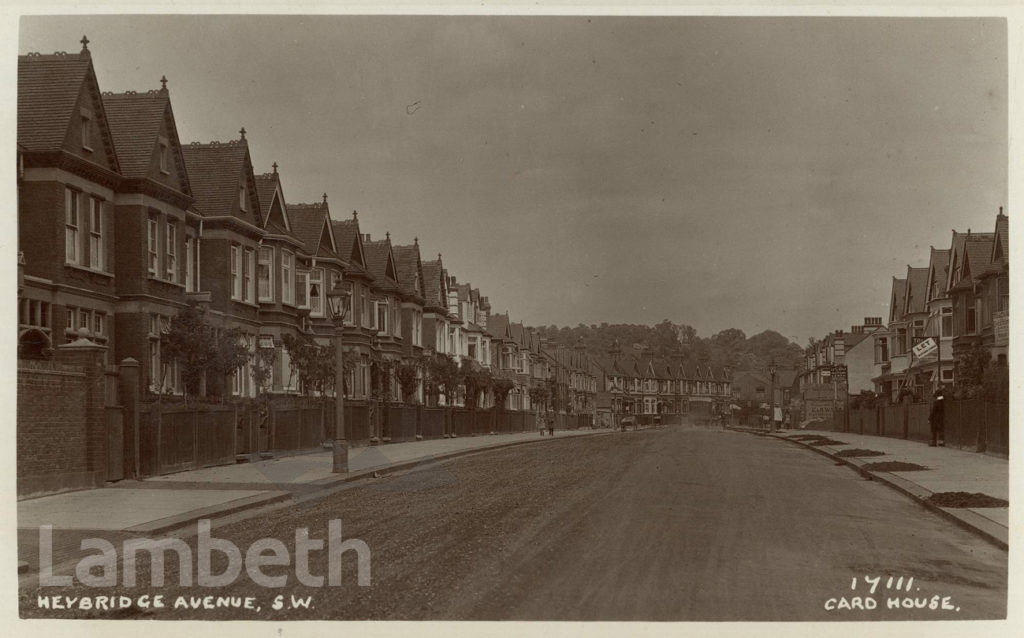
x: 970, y: 424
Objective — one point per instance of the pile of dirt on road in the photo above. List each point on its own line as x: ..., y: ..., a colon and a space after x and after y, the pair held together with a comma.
x: 826, y: 441
x: 966, y: 499
x: 858, y: 452
x: 893, y: 466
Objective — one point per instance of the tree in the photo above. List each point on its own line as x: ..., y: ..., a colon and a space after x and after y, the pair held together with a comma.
x: 970, y: 371
x: 263, y: 369
x: 443, y: 377
x: 190, y: 343
x: 313, y: 362
x: 501, y: 386
x: 230, y: 353
x: 408, y: 374
x: 476, y: 380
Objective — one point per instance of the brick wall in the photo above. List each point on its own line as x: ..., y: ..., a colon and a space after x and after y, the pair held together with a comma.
x: 41, y: 228
x: 61, y: 431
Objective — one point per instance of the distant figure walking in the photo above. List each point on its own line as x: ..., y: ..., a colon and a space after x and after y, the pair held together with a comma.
x: 937, y: 419
x: 551, y: 423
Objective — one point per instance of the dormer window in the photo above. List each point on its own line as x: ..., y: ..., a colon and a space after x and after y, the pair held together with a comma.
x: 86, y: 119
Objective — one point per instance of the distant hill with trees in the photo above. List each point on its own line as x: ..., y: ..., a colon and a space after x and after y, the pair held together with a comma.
x: 729, y: 347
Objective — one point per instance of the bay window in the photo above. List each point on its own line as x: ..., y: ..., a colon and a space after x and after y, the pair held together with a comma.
x: 72, y: 251
x: 287, y: 277
x: 236, y: 272
x: 96, y: 252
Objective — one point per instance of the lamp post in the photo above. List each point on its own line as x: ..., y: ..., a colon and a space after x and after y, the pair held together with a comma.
x: 771, y: 401
x: 338, y: 298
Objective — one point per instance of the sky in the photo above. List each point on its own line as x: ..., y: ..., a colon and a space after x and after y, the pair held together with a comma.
x: 722, y: 172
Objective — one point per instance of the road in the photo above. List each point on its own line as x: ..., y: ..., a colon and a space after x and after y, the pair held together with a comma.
x: 677, y: 524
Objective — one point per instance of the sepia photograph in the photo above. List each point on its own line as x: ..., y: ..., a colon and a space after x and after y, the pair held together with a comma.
x: 434, y: 317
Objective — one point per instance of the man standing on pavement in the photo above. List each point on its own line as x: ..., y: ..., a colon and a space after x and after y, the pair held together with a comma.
x: 937, y: 419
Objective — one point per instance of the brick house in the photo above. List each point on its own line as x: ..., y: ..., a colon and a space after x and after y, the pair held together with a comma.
x: 156, y: 228
x: 227, y: 198
x: 276, y: 264
x: 70, y: 174
x: 360, y: 332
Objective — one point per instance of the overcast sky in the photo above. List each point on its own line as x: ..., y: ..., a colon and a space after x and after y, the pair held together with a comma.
x: 722, y: 172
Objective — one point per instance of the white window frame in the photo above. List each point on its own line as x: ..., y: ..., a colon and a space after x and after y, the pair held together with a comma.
x: 86, y: 120
x: 152, y: 240
x: 302, y: 285
x: 377, y: 305
x: 315, y: 283
x: 190, y: 252
x: 265, y: 274
x: 171, y: 251
x: 287, y: 277
x: 249, y: 276
x: 72, y: 226
x: 96, y: 252
x: 241, y: 197
x: 164, y: 152
x: 236, y: 272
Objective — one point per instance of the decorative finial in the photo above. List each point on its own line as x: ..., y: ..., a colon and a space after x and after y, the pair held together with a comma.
x: 439, y: 256
x: 416, y: 240
x: 85, y: 43
x: 274, y: 166
x: 325, y: 198
x: 387, y: 235
x: 242, y: 132
x: 355, y: 215
x: 163, y: 82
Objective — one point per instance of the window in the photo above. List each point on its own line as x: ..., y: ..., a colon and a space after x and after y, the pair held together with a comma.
x: 348, y: 303
x: 190, y: 255
x: 152, y: 247
x: 241, y: 196
x: 248, y: 274
x: 947, y: 321
x: 881, y: 350
x: 170, y: 251
x: 382, y: 316
x: 99, y: 324
x: 236, y: 272
x: 947, y: 375
x: 86, y: 119
x: 316, y: 297
x: 287, y: 277
x: 901, y: 341
x: 265, y: 274
x: 972, y: 317
x: 301, y: 277
x: 72, y: 253
x: 164, y: 164
x: 368, y: 317
x: 95, y: 234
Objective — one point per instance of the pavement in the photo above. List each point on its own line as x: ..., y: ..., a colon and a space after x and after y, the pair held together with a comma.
x: 948, y: 470
x: 159, y: 505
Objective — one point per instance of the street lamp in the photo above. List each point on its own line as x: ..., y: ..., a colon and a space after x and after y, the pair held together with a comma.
x: 338, y: 299
x: 772, y: 369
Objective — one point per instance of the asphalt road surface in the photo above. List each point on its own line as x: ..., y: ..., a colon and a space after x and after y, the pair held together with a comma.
x: 674, y: 524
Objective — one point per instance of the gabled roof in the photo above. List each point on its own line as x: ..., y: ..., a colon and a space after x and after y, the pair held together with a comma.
x: 497, y: 325
x: 896, y: 299
x: 978, y: 252
x: 1001, y: 244
x: 380, y: 263
x: 350, y: 241
x: 916, y: 290
x: 216, y: 170
x: 311, y: 224
x: 49, y: 88
x: 434, y: 292
x: 937, y: 265
x: 136, y: 121
x: 409, y: 267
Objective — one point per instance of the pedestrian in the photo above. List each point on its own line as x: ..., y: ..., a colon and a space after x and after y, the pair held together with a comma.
x: 937, y: 418
x: 551, y: 423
